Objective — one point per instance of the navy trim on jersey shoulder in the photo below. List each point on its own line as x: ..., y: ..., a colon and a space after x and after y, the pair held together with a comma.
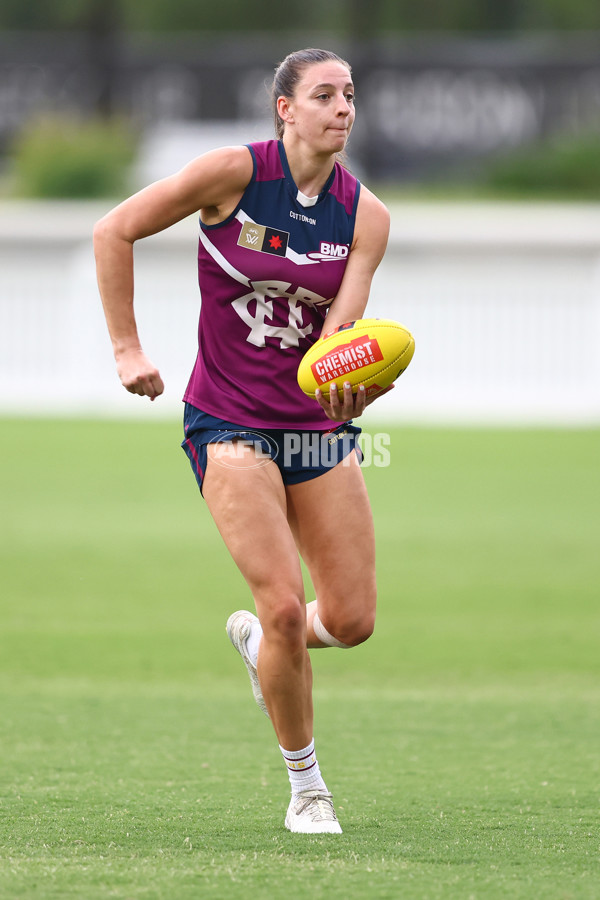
x: 239, y: 205
x: 354, y: 209
x: 254, y: 164
x: 292, y: 186
x: 356, y: 196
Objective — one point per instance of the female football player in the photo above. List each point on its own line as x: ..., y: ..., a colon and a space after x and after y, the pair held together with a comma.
x: 289, y: 243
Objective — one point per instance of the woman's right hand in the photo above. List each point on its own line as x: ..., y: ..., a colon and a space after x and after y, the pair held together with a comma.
x: 348, y: 405
x: 138, y: 375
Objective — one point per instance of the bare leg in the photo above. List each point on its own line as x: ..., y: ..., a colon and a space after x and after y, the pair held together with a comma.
x: 333, y: 526
x: 249, y: 507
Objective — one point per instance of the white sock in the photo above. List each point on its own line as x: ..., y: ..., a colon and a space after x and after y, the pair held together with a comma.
x: 253, y: 641
x: 303, y: 769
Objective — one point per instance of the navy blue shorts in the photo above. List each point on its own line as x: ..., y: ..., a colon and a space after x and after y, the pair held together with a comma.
x: 300, y: 455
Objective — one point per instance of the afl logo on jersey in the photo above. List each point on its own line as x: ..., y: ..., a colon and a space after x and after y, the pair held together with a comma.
x: 330, y: 252
x: 263, y: 239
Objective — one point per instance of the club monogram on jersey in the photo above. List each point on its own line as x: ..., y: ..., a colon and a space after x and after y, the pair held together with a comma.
x: 264, y: 239
x: 262, y: 297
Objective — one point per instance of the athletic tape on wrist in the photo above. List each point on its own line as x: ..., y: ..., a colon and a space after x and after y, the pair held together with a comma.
x: 324, y: 636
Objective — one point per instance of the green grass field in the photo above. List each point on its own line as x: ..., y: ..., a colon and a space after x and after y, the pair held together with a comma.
x: 461, y: 742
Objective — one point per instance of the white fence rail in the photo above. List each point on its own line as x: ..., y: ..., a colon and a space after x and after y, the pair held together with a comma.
x: 503, y: 300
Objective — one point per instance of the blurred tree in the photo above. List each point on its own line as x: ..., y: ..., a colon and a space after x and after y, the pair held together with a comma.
x: 232, y: 15
x: 502, y: 16
x: 64, y: 157
x: 363, y: 20
x: 340, y: 17
x: 557, y: 14
x: 33, y: 15
x: 468, y: 16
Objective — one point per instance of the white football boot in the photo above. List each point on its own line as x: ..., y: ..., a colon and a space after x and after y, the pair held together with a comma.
x: 238, y: 630
x: 312, y: 812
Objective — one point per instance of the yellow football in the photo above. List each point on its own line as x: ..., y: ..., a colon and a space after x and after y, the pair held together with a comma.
x: 373, y: 352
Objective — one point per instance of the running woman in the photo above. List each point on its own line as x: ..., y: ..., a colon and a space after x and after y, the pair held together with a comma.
x: 289, y: 243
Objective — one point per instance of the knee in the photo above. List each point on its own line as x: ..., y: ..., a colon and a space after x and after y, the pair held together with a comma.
x: 355, y: 632
x: 285, y: 621
x: 352, y: 630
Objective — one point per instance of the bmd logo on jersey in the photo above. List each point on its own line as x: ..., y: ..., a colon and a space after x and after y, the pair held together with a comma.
x: 263, y: 239
x: 329, y: 251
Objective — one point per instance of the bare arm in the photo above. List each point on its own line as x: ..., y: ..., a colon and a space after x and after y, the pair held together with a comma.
x: 371, y: 237
x: 370, y: 241
x: 212, y: 183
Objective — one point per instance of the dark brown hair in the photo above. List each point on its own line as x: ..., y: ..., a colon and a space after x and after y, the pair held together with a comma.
x: 289, y: 72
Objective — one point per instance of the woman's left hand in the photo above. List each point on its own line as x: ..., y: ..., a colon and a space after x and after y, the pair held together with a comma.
x: 347, y: 406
